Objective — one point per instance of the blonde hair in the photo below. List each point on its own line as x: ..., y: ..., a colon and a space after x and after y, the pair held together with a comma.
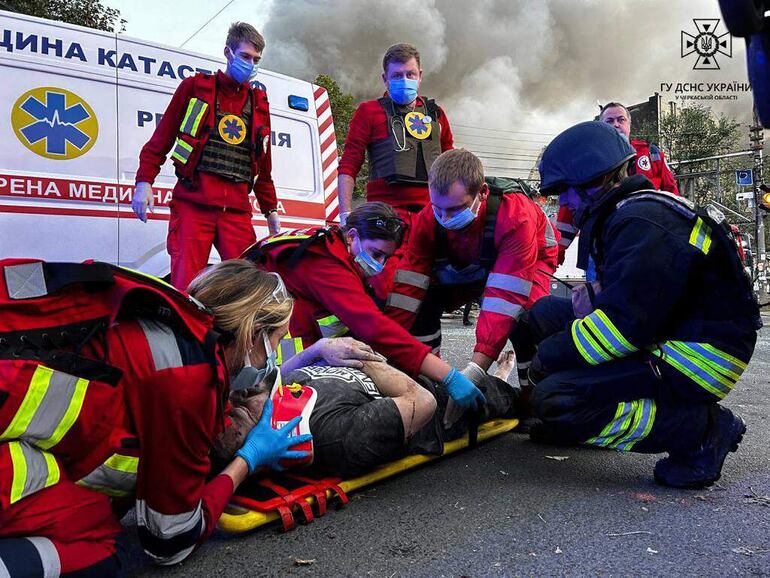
x: 241, y: 297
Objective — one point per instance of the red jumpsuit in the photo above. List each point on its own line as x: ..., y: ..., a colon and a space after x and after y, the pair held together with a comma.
x: 526, y: 248
x: 155, y: 427
x: 216, y: 210
x: 370, y: 124
x: 332, y: 300
x: 650, y: 162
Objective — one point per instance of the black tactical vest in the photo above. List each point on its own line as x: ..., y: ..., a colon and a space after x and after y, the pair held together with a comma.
x: 401, y: 158
x: 228, y: 160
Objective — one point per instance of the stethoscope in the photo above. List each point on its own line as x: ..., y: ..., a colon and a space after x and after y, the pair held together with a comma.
x: 400, y: 146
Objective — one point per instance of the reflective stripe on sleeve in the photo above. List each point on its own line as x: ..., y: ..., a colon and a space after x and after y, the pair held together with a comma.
x: 115, y: 477
x: 412, y: 278
x: 501, y: 306
x: 331, y: 326
x: 196, y: 108
x: 181, y: 151
x: 49, y: 409
x: 598, y: 339
x: 163, y: 344
x: 33, y: 470
x: 403, y: 302
x: 550, y: 234
x: 509, y: 283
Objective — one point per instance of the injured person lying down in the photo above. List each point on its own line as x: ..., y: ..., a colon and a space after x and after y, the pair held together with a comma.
x: 362, y: 418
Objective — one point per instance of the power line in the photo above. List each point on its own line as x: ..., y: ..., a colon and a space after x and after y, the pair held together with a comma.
x: 505, y: 130
x: 473, y: 147
x: 194, y: 34
x: 507, y: 139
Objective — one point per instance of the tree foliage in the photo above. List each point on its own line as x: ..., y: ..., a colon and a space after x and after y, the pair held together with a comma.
x: 343, y: 106
x: 90, y: 13
x: 695, y: 132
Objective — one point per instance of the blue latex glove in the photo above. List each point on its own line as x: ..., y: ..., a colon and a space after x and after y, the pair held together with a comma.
x: 462, y: 390
x: 264, y: 446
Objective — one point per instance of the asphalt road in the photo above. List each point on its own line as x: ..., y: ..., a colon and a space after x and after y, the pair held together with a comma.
x: 506, y: 509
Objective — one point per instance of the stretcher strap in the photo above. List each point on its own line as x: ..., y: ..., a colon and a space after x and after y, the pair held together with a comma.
x: 284, y: 500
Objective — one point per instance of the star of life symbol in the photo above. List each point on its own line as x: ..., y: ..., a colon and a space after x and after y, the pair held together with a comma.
x: 706, y: 44
x: 418, y: 125
x: 55, y: 122
x: 232, y: 129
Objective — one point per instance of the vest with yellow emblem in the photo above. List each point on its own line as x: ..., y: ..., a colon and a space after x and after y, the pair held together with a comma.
x: 412, y: 145
x: 225, y: 144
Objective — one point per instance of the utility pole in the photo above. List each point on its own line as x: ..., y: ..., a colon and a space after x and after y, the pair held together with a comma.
x: 756, y: 136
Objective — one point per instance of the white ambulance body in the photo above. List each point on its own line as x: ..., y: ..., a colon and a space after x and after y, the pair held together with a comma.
x: 76, y: 107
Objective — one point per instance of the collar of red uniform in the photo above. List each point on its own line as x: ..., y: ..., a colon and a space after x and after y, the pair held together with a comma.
x: 227, y: 84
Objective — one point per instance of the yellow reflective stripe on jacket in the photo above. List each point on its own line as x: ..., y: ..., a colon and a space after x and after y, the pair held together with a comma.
x: 115, y: 477
x: 331, y: 326
x: 196, y: 108
x: 598, y: 339
x: 700, y: 237
x: 49, y: 409
x: 182, y: 151
x: 287, y: 237
x: 288, y: 347
x: 33, y: 470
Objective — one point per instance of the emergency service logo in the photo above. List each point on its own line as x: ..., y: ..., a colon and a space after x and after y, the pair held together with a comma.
x: 706, y: 44
x: 232, y: 129
x: 54, y: 123
x: 418, y: 125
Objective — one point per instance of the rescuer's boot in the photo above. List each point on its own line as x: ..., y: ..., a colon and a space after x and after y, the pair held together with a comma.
x: 703, y: 467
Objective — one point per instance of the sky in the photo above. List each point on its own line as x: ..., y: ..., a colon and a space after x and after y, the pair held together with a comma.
x: 510, y: 73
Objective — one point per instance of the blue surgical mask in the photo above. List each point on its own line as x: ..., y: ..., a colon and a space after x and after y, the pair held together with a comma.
x: 369, y: 265
x: 460, y: 220
x: 250, y: 377
x: 240, y: 70
x: 402, y: 90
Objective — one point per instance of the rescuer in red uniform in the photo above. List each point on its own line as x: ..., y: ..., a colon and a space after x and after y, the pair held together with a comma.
x: 217, y: 128
x: 650, y: 161
x: 402, y: 133
x: 114, y: 388
x: 327, y: 272
x: 498, y: 247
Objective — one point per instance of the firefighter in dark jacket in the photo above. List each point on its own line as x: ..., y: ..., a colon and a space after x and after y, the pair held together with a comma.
x: 640, y: 360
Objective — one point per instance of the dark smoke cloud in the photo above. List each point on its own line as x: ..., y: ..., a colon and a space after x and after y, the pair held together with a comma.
x: 537, y: 65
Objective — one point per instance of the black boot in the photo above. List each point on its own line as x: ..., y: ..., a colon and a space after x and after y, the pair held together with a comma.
x: 703, y: 467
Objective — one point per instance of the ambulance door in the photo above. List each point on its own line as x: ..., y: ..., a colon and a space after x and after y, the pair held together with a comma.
x: 59, y: 142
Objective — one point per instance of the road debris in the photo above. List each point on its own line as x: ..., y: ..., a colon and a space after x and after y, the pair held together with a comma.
x: 557, y: 458
x: 651, y: 551
x: 754, y: 498
x: 633, y: 533
x: 301, y: 562
x: 745, y: 551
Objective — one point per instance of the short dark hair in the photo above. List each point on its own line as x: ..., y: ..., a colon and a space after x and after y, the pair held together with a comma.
x: 243, y: 32
x: 376, y: 220
x: 400, y: 53
x: 612, y: 105
x: 456, y: 165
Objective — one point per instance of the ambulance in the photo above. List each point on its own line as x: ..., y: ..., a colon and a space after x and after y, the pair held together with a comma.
x: 76, y: 107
